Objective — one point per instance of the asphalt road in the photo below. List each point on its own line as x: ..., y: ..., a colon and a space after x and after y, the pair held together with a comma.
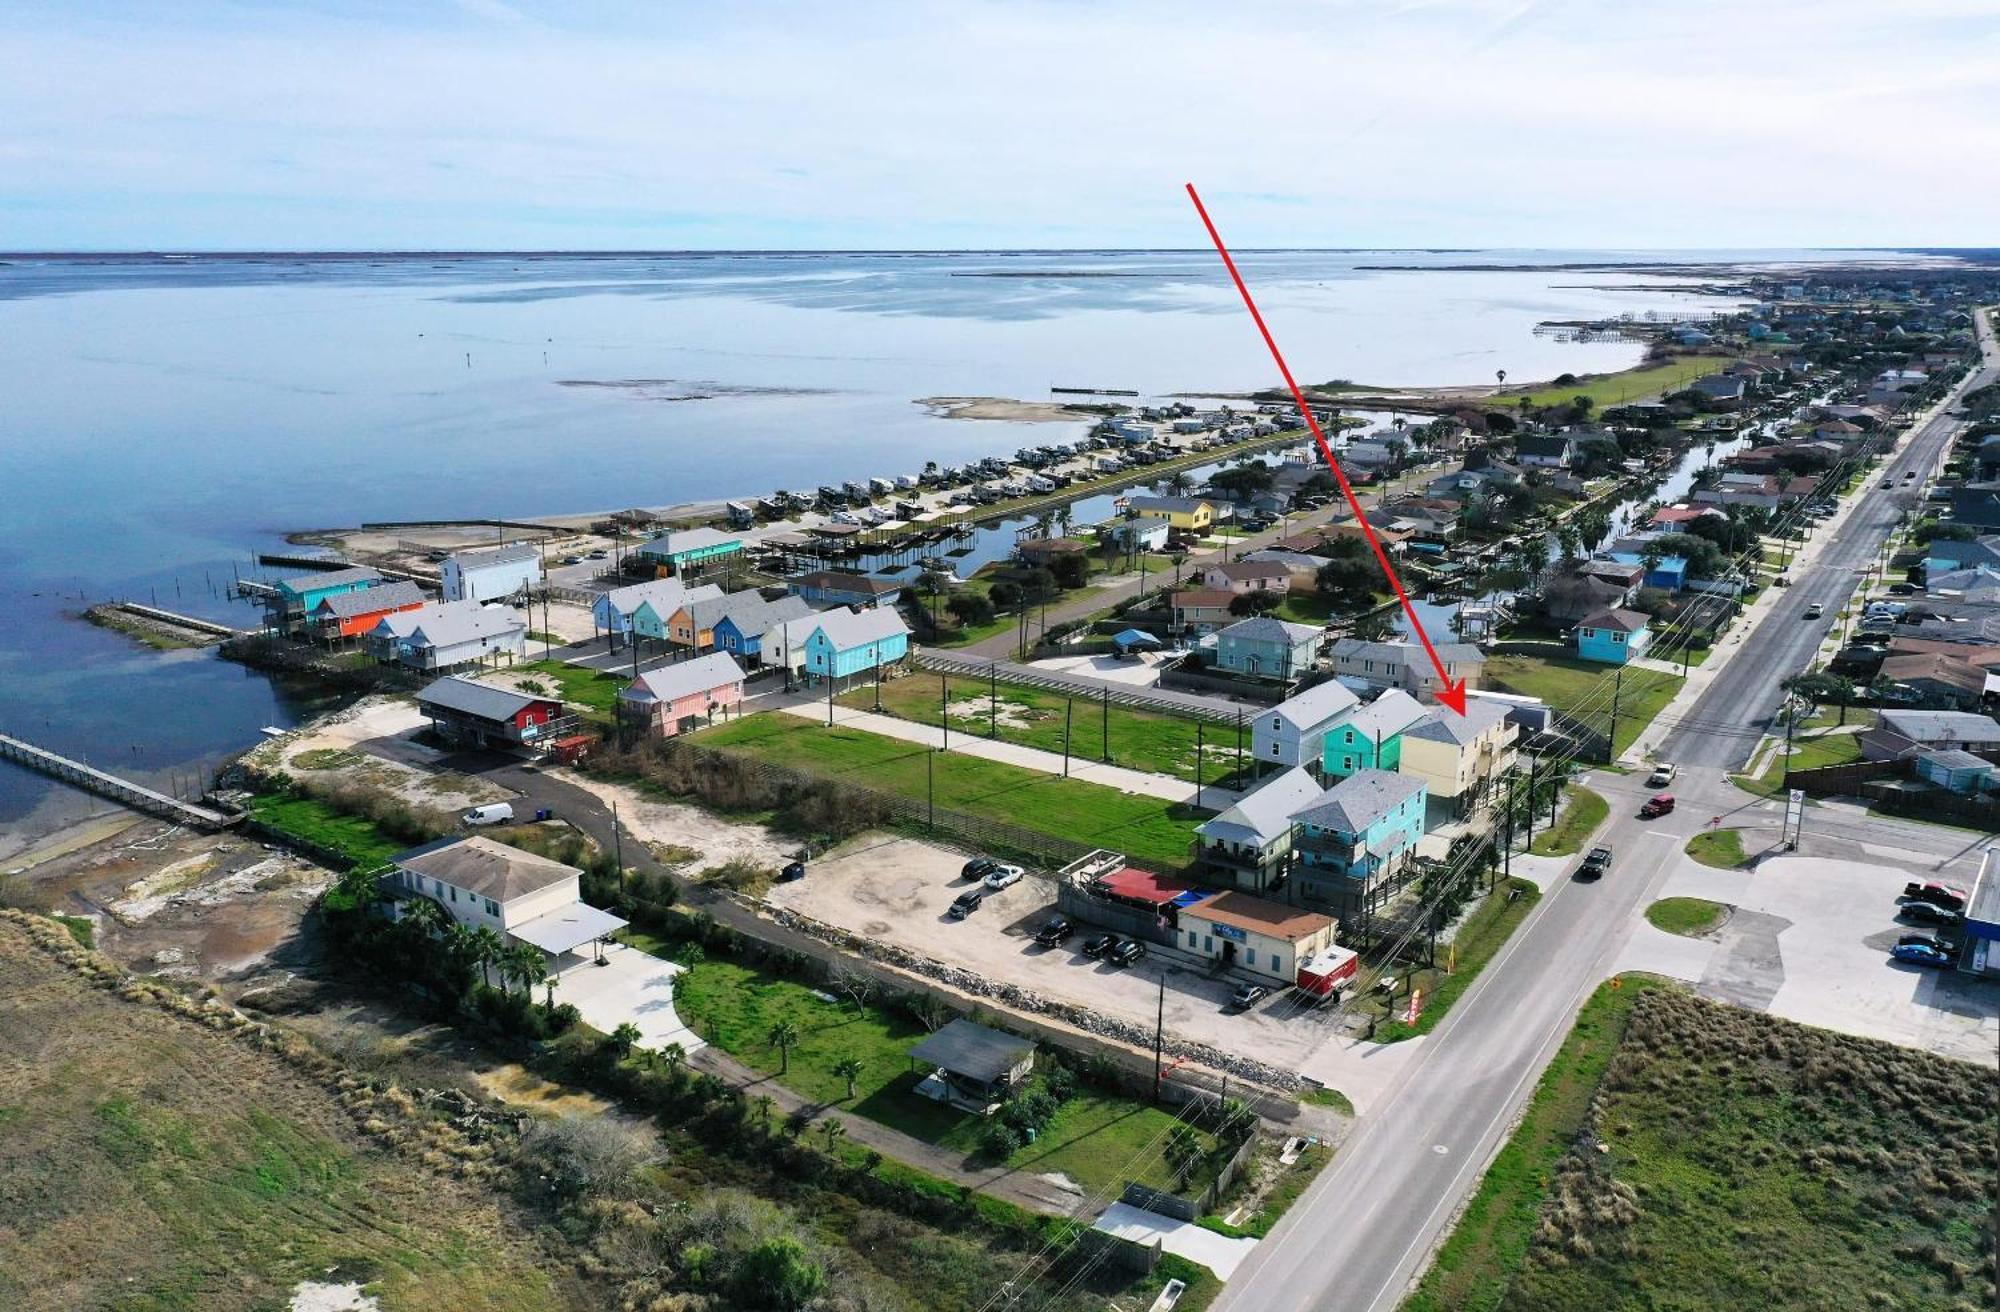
x: 1364, y: 1231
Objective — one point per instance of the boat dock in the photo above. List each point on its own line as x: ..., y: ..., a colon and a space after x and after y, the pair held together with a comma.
x: 104, y: 784
x: 174, y: 619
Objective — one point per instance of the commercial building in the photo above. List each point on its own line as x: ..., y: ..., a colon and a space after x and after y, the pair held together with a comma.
x: 1266, y: 939
x: 492, y: 573
x: 691, y: 551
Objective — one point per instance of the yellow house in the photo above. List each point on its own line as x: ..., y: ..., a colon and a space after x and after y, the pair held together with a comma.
x: 1188, y: 514
x: 1459, y: 756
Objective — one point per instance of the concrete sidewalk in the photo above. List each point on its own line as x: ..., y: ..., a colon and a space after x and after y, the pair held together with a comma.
x: 1219, y: 1253
x: 1138, y: 782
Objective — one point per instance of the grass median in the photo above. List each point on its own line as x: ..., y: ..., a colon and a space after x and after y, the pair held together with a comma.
x: 1581, y: 816
x: 1478, y: 940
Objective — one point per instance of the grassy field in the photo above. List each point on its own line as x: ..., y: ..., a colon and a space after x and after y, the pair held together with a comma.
x: 316, y: 822
x: 1146, y: 828
x: 1721, y: 848
x: 1581, y: 815
x: 1607, y: 390
x: 1482, y: 935
x: 1688, y: 1154
x: 1139, y: 740
x: 1567, y: 683
x: 1094, y: 1139
x: 1692, y: 916
x: 593, y: 690
x: 153, y: 1165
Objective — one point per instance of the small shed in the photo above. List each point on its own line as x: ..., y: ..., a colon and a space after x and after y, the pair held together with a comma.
x: 973, y: 1066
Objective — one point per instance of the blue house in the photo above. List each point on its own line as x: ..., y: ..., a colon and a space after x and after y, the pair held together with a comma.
x: 1613, y: 636
x: 845, y: 643
x: 1267, y: 648
x: 1354, y: 844
x: 1670, y: 573
x: 1959, y: 771
x: 1372, y: 737
x: 297, y: 598
x: 740, y: 630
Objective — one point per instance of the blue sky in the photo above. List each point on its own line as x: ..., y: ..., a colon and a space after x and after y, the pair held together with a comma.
x: 1061, y: 123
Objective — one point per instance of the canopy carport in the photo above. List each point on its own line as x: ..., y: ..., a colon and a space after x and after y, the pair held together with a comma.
x: 567, y: 928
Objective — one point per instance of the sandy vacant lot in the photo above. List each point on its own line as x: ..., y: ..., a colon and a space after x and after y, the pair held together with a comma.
x: 897, y: 890
x: 371, y: 743
x: 664, y: 826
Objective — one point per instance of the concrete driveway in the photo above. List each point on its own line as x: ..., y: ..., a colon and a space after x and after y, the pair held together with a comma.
x: 630, y: 986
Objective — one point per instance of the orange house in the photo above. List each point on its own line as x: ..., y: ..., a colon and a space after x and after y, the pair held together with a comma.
x: 354, y: 614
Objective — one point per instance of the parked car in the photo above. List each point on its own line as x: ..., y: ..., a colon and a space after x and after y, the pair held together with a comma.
x: 497, y: 813
x: 1930, y: 940
x: 1814, y: 611
x: 1927, y: 913
x: 966, y: 903
x: 1942, y: 895
x: 796, y: 870
x: 1902, y: 589
x: 1054, y: 932
x: 600, y: 554
x: 1663, y: 774
x: 1128, y: 951
x: 1595, y: 864
x: 1657, y: 806
x: 1098, y: 946
x: 979, y: 867
x: 1003, y: 877
x: 1921, y: 954
x: 1248, y: 996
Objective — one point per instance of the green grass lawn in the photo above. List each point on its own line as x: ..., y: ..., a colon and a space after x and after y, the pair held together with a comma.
x: 594, y: 690
x: 1146, y: 828
x: 1688, y: 1154
x: 1482, y: 935
x: 314, y: 821
x: 1607, y: 390
x: 1567, y: 683
x: 1096, y: 1138
x: 1691, y: 916
x: 1721, y: 848
x: 1581, y: 815
x: 1140, y: 740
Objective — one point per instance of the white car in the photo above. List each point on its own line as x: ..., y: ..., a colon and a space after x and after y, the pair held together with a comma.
x: 1663, y: 774
x: 1003, y: 877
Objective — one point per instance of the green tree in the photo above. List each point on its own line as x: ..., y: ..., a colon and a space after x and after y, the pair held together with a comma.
x: 970, y: 609
x: 1262, y: 601
x: 625, y: 1038
x: 778, y: 1274
x: 784, y: 1036
x: 525, y: 965
x: 849, y: 1069
x: 832, y: 1128
x: 489, y: 950
x: 673, y: 1055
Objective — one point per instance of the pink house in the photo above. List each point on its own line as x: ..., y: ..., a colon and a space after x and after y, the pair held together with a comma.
x: 677, y: 698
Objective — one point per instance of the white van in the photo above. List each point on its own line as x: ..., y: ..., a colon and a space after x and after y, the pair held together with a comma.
x: 498, y: 813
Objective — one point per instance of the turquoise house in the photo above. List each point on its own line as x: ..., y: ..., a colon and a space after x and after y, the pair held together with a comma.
x: 845, y: 643
x: 1354, y: 844
x: 1267, y: 648
x: 1670, y: 573
x: 693, y: 549
x: 1613, y: 636
x: 1371, y: 738
x: 297, y: 598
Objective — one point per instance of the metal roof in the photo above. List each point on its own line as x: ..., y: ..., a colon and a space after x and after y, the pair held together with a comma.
x: 670, y: 683
x: 332, y: 578
x: 567, y: 927
x: 471, y: 697
x: 974, y: 1051
x: 395, y: 595
x: 504, y: 554
x: 1264, y: 814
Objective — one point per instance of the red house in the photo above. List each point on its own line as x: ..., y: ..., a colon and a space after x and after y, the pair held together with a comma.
x: 486, y: 715
x: 355, y: 614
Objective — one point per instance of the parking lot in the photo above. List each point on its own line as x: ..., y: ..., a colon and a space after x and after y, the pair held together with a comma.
x: 897, y: 890
x: 1810, y: 941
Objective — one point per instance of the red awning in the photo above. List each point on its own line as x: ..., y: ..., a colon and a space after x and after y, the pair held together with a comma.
x: 1142, y: 886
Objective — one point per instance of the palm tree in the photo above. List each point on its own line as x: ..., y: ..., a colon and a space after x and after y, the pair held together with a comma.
x: 833, y: 1129
x: 784, y: 1037
x: 849, y: 1069
x: 1178, y: 481
x: 764, y: 1103
x: 525, y: 965
x: 488, y: 949
x: 625, y: 1038
x: 429, y: 914
x: 1179, y: 558
x: 693, y: 955
x: 673, y: 1054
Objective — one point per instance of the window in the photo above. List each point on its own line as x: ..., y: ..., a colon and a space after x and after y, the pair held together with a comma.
x: 454, y: 895
x: 1193, y: 938
x: 1207, y: 943
x: 492, y: 907
x: 1274, y: 749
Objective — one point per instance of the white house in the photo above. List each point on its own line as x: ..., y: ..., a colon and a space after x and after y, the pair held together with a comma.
x: 448, y: 635
x: 492, y: 573
x: 522, y: 897
x: 1292, y: 732
x: 1250, y: 844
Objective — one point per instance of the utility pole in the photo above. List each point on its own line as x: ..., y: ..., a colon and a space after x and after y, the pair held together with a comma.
x: 1617, y: 687
x: 1533, y: 761
x: 930, y: 788
x: 993, y: 700
x: 1159, y: 1035
x: 1104, y: 722
x: 1198, y: 725
x: 1069, y: 715
x: 944, y: 710
x: 618, y: 846
x: 875, y: 659
x: 829, y: 690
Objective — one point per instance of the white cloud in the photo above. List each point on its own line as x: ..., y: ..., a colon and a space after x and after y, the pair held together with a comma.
x: 1437, y: 122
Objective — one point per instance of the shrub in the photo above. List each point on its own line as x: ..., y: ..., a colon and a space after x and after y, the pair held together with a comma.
x: 999, y: 1141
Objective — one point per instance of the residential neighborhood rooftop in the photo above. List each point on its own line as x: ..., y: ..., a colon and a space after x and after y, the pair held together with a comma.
x: 484, y: 867
x: 1359, y: 800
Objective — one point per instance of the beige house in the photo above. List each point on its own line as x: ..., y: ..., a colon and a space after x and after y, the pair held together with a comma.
x: 1359, y: 663
x: 523, y: 897
x: 1459, y: 757
x: 1248, y: 933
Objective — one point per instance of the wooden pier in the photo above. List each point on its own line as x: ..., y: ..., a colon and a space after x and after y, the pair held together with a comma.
x: 123, y: 791
x: 176, y: 620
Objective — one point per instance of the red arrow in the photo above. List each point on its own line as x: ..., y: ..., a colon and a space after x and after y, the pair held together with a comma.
x: 1451, y: 694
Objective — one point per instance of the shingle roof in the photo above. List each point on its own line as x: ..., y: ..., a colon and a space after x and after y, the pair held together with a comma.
x: 1317, y: 704
x: 1265, y: 813
x: 863, y: 585
x: 474, y: 698
x: 973, y: 1050
x: 484, y: 868
x: 667, y: 595
x: 1407, y: 653
x: 367, y: 601
x: 1275, y: 919
x: 670, y: 683
x: 448, y: 623
x: 1359, y: 800
x: 1265, y: 629
x: 1624, y: 621
x: 1447, y: 726
x: 688, y: 539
